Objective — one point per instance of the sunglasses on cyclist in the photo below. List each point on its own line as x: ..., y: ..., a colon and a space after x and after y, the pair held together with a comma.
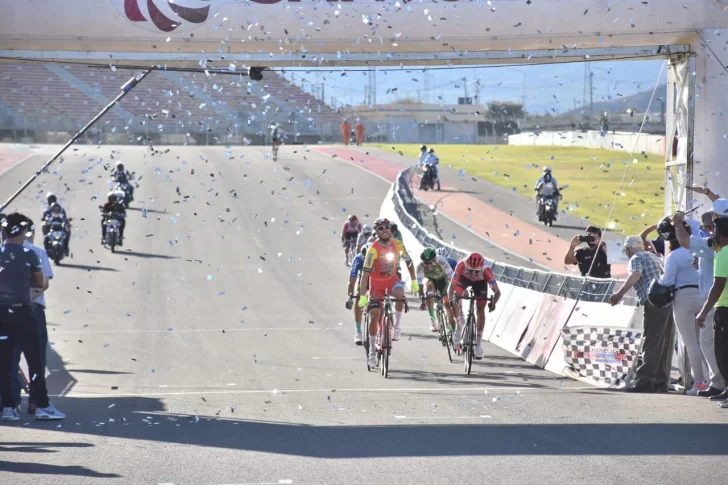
x: 379, y: 228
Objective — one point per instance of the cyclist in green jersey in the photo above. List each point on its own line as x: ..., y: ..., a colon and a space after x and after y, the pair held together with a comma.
x: 437, y: 273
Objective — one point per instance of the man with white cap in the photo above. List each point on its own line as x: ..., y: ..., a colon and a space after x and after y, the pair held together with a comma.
x: 658, y: 335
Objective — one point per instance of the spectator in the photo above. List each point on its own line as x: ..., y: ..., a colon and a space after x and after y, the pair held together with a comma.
x: 658, y: 335
x: 681, y: 275
x: 19, y: 269
x: 595, y: 252
x: 700, y: 246
x: 718, y: 297
x: 38, y: 305
x: 346, y: 132
x: 360, y: 133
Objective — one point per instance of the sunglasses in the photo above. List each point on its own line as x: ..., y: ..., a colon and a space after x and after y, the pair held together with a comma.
x: 382, y: 228
x: 429, y: 263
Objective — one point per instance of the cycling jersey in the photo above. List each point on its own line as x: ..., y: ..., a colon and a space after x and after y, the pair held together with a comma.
x: 357, y: 265
x: 440, y: 270
x: 361, y: 240
x: 463, y: 273
x: 381, y: 260
x: 351, y: 229
x: 452, y: 263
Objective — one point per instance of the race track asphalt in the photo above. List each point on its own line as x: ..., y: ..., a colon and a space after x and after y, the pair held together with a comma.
x: 215, y: 348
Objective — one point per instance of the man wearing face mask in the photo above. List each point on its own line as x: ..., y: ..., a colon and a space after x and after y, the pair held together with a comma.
x: 704, y: 248
x: 595, y: 252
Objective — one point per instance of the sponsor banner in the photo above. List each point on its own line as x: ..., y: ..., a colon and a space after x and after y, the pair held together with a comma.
x: 542, y: 334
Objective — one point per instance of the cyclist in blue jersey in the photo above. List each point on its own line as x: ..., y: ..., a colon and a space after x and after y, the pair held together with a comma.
x: 353, y: 290
x: 445, y: 253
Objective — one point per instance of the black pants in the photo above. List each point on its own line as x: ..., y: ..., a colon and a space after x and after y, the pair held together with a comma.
x: 720, y: 339
x: 17, y: 325
x: 122, y: 224
x: 658, y: 343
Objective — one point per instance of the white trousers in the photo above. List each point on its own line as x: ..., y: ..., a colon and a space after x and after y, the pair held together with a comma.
x: 686, y: 306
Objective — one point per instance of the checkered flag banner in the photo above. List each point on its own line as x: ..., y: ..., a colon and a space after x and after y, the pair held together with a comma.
x: 603, y: 355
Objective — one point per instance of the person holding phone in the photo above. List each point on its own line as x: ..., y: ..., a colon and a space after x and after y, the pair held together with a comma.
x: 592, y: 259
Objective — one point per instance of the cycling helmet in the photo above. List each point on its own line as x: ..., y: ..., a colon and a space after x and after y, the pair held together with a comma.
x: 423, y: 148
x: 367, y: 229
x: 547, y: 170
x: 120, y: 165
x: 428, y: 255
x: 111, y: 197
x: 51, y: 198
x: 393, y: 227
x: 382, y: 221
x: 475, y: 262
x: 660, y: 295
x: 444, y: 252
x: 352, y: 218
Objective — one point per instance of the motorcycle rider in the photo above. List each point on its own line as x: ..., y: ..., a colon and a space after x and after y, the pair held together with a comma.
x: 423, y: 157
x: 51, y: 198
x: 432, y: 161
x: 57, y: 217
x: 546, y: 186
x: 113, y: 206
x: 122, y: 176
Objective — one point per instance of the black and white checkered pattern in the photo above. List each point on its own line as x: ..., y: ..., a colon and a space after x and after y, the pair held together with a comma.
x: 604, y: 355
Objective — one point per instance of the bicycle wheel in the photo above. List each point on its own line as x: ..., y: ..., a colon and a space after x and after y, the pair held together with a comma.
x: 444, y: 331
x: 366, y: 339
x: 386, y: 343
x: 468, y: 344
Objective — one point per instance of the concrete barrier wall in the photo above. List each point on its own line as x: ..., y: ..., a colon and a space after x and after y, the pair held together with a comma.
x: 585, y: 340
x: 652, y: 144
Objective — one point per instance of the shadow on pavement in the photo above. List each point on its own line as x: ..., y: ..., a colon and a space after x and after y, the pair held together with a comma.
x: 43, y: 469
x: 86, y: 267
x: 145, y: 255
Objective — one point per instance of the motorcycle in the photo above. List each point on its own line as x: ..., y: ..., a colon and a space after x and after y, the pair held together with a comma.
x: 122, y: 190
x: 112, y: 234
x: 55, y: 243
x: 427, y: 181
x: 547, y: 210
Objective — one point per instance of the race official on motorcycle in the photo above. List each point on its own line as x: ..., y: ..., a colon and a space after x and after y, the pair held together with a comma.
x: 52, y: 199
x: 122, y: 176
x: 432, y: 161
x: 547, y: 186
x: 113, y: 206
x: 57, y: 217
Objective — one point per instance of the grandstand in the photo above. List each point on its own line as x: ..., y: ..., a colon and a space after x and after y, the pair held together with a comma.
x: 45, y: 102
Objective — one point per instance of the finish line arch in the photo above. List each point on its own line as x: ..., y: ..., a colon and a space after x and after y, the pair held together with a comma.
x: 236, y: 34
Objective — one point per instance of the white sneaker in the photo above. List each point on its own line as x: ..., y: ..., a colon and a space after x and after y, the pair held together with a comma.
x: 357, y: 338
x: 433, y: 326
x: 697, y: 386
x: 10, y: 414
x: 49, y: 413
x: 478, y: 351
x: 372, y: 359
x: 397, y: 334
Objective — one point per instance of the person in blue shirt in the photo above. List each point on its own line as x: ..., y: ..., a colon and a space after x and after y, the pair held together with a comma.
x: 445, y: 253
x: 355, y: 273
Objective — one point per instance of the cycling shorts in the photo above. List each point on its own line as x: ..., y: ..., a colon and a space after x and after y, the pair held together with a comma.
x: 378, y: 287
x: 440, y: 285
x: 350, y: 238
x: 480, y: 288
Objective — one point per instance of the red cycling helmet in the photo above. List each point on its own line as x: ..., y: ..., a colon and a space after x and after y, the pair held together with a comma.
x: 352, y: 218
x: 475, y: 262
x: 381, y: 222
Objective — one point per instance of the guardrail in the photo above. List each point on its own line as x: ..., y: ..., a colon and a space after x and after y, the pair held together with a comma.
x: 574, y: 287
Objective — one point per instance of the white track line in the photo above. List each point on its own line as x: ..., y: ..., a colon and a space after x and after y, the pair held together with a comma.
x: 327, y: 390
x: 482, y: 416
x: 195, y: 330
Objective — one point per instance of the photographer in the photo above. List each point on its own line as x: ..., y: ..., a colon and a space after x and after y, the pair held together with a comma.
x: 595, y: 251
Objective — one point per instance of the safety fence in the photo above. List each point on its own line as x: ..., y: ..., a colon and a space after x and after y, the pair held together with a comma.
x: 558, y: 322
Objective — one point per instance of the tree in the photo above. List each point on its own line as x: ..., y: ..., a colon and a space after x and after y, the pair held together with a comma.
x: 505, y: 110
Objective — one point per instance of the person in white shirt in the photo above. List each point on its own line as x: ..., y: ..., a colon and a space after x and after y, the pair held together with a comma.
x: 681, y: 274
x: 432, y: 161
x: 423, y: 157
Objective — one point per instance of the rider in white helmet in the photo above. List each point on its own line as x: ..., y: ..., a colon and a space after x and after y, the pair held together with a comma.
x: 547, y: 186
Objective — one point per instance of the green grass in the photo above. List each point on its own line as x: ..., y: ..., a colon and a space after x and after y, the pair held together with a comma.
x: 592, y: 177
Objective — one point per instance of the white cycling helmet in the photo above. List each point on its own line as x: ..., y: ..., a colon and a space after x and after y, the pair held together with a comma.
x: 367, y: 229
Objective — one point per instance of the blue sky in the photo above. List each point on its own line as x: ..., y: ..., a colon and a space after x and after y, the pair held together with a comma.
x: 558, y: 86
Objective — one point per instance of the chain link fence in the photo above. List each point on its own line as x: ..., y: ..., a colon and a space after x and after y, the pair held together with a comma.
x: 574, y: 287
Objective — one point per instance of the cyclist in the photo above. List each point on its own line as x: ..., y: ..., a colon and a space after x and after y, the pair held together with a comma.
x: 438, y: 274
x: 275, y: 138
x: 350, y: 234
x: 354, y: 290
x: 363, y: 239
x: 445, y: 253
x: 379, y: 276
x: 472, y: 271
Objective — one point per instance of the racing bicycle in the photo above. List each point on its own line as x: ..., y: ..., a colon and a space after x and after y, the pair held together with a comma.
x: 443, y: 324
x: 470, y: 331
x: 384, y: 338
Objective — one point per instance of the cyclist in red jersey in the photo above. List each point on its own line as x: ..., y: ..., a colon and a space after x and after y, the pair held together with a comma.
x: 472, y: 271
x: 380, y: 275
x: 349, y: 234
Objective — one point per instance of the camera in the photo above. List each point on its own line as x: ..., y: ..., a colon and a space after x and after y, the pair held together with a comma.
x: 587, y: 239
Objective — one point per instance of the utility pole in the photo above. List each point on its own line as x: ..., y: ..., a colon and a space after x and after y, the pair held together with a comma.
x: 591, y: 94
x: 465, y: 89
x: 374, y: 86
x: 427, y: 87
